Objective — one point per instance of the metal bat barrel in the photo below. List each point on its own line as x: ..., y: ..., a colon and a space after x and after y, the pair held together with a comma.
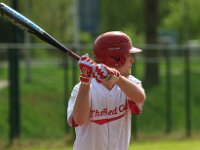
x: 18, y: 19
x: 26, y: 24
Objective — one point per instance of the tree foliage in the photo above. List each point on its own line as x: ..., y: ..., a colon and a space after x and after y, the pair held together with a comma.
x: 127, y: 15
x: 179, y: 13
x: 124, y: 15
x: 52, y: 16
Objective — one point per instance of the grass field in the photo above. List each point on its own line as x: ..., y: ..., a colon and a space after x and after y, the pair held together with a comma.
x: 184, y: 144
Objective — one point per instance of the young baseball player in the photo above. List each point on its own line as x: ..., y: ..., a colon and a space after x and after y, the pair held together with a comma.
x: 101, y: 105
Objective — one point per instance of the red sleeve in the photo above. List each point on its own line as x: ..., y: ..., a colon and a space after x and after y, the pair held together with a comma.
x: 135, y: 109
x: 72, y: 122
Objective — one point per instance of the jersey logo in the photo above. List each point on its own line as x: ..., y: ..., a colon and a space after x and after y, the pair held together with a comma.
x: 105, y: 115
x: 103, y: 121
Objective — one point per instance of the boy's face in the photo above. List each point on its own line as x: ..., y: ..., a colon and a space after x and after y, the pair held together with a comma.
x: 125, y: 70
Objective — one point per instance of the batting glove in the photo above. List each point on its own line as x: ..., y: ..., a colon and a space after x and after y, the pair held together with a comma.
x: 86, y: 66
x: 102, y: 72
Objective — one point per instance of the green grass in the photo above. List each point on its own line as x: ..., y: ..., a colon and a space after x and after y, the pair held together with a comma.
x: 166, y: 145
x: 184, y: 144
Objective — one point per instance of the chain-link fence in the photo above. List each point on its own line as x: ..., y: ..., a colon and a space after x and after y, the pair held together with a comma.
x: 47, y: 76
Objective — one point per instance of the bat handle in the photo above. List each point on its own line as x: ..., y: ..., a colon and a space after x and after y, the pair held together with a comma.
x: 74, y: 55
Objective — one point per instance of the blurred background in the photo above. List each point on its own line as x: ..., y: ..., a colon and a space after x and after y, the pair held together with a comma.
x: 36, y: 79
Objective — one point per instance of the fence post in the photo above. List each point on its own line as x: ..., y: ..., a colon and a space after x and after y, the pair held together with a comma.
x: 14, y: 106
x: 187, y: 91
x: 66, y: 90
x: 134, y: 121
x: 168, y: 91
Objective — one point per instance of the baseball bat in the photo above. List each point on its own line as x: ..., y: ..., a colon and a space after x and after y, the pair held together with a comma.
x: 25, y: 24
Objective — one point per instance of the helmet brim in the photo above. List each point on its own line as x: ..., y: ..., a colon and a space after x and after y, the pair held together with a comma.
x: 135, y: 50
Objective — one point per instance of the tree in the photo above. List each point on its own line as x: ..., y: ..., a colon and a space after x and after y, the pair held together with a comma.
x: 151, y: 26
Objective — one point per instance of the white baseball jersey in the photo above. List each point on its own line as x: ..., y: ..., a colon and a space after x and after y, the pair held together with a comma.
x: 109, y: 123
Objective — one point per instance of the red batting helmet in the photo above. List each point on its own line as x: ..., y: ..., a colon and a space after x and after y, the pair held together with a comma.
x: 110, y: 48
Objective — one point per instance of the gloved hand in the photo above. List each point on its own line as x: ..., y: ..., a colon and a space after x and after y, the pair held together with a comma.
x: 86, y: 66
x: 102, y: 72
